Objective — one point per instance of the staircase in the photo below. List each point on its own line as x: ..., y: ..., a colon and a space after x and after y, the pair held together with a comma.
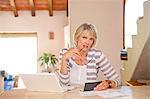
x: 139, y: 41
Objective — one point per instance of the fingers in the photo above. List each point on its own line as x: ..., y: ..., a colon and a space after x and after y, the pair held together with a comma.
x: 73, y: 51
x: 75, y: 54
x: 102, y: 86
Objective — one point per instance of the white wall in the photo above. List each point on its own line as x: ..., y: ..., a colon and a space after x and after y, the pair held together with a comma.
x: 107, y: 16
x: 42, y: 23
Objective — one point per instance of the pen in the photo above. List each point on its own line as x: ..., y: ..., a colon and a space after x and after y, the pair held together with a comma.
x: 82, y: 48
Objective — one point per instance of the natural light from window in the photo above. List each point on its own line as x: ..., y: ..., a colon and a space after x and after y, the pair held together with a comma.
x: 18, y: 54
x: 133, y: 10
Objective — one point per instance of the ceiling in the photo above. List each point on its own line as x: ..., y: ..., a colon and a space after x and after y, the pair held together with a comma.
x: 33, y: 6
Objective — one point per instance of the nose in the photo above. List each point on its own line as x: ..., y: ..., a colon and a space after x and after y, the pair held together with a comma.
x: 86, y: 44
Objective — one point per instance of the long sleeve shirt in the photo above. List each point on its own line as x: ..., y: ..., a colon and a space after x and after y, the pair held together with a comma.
x: 96, y: 61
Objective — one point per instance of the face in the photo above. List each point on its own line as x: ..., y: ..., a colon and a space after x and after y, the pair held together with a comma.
x: 85, y: 41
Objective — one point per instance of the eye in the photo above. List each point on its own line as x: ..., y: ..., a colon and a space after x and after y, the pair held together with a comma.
x: 92, y: 39
x: 84, y: 37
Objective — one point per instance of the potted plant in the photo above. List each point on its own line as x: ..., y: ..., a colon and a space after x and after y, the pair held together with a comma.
x: 48, y: 60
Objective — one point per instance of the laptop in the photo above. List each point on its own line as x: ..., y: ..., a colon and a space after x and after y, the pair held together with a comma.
x: 46, y: 82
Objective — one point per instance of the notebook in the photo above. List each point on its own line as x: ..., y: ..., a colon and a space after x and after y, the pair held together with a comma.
x: 47, y: 82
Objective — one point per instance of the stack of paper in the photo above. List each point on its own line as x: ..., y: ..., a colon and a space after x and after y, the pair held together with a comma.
x: 109, y: 93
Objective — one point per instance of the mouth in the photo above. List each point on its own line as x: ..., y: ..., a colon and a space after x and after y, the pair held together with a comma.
x: 81, y: 49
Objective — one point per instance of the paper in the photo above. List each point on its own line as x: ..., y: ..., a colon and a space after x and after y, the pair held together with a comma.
x: 109, y: 93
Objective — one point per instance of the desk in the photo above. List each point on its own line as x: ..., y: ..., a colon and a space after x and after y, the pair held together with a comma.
x: 139, y: 92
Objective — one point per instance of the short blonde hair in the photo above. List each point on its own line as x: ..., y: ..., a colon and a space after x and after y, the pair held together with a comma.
x: 88, y: 27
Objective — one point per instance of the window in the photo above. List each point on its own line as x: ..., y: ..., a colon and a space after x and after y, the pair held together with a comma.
x: 136, y: 7
x: 67, y: 36
x: 18, y: 52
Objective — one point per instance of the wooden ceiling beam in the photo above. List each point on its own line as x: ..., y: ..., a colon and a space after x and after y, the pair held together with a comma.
x: 50, y: 7
x: 31, y: 3
x: 13, y: 6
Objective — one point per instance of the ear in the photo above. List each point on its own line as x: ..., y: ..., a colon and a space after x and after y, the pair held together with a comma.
x: 92, y: 44
x: 76, y: 43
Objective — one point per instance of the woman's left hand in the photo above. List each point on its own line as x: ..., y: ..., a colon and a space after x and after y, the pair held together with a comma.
x: 103, y: 85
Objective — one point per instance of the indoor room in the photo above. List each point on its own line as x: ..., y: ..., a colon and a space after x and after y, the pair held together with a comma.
x: 106, y: 42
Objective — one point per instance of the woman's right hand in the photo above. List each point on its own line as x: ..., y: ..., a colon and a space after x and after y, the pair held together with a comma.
x: 71, y: 53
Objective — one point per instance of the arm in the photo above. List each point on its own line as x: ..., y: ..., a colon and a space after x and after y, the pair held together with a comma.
x: 109, y: 72
x: 65, y: 66
x: 63, y: 73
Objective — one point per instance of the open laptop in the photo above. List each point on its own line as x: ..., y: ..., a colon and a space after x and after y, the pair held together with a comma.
x: 47, y: 82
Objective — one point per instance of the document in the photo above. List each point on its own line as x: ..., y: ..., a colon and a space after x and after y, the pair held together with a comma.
x: 123, y: 91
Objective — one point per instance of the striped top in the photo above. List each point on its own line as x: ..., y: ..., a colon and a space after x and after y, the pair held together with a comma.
x: 96, y: 61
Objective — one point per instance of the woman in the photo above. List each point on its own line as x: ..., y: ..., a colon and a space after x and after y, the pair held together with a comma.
x: 81, y: 64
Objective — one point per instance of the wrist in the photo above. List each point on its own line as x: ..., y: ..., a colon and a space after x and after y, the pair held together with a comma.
x: 63, y: 69
x: 110, y: 83
x: 64, y: 72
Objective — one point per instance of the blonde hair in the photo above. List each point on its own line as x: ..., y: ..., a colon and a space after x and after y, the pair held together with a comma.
x: 83, y: 27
